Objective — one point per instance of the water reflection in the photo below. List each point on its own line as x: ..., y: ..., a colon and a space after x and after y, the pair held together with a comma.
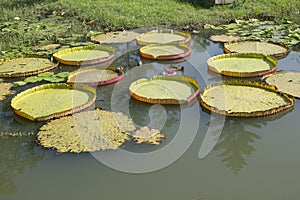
x: 237, y: 142
x: 16, y: 153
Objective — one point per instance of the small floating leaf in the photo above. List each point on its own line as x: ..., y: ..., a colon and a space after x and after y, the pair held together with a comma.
x: 33, y: 79
x: 146, y: 135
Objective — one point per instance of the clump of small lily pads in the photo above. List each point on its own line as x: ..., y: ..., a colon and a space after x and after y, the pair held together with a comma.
x: 46, y: 76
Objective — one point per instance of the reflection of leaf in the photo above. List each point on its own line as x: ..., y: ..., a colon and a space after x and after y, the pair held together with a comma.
x: 147, y: 135
x: 235, y: 145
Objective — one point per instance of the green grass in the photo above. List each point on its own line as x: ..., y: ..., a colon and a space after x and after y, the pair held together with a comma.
x: 58, y: 21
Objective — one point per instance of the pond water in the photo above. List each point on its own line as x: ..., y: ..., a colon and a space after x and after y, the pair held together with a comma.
x: 204, y: 156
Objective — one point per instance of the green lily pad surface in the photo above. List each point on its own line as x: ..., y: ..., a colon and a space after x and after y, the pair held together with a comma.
x: 85, y: 55
x: 86, y: 131
x: 242, y: 65
x: 285, y: 81
x: 52, y: 100
x: 163, y: 37
x: 96, y: 75
x: 25, y: 66
x: 244, y: 99
x: 266, y: 48
x: 165, y: 51
x: 165, y: 89
x: 224, y: 38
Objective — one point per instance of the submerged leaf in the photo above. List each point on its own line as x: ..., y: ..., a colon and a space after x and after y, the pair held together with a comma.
x: 146, y: 135
x: 5, y: 89
x: 86, y: 132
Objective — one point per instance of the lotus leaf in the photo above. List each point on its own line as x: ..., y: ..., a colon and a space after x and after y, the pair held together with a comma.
x: 266, y: 48
x: 25, y: 66
x: 242, y: 65
x: 163, y: 37
x: 146, y: 135
x: 165, y: 51
x: 52, y: 100
x: 5, y: 89
x: 85, y: 55
x: 86, y: 132
x: 287, y: 82
x: 96, y: 75
x: 244, y: 99
x: 115, y: 37
x: 224, y: 38
x: 174, y: 89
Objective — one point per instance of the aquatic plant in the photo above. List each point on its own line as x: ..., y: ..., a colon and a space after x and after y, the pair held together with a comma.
x: 5, y: 89
x: 163, y: 37
x: 286, y: 81
x: 242, y: 64
x: 86, y: 132
x: 49, y: 101
x: 175, y: 89
x: 244, y: 99
x: 224, y: 38
x: 147, y: 135
x: 115, y: 37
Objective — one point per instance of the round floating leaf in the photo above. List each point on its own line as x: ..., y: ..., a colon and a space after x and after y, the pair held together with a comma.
x: 242, y: 65
x: 277, y: 50
x: 46, y: 74
x: 27, y: 65
x: 33, y: 79
x: 96, y: 75
x: 115, y: 37
x: 85, y: 55
x: 86, y: 132
x: 54, y: 79
x: 224, y: 38
x: 5, y: 89
x: 287, y: 82
x: 165, y: 51
x: 244, y: 99
x: 163, y: 37
x: 62, y: 74
x: 52, y: 100
x: 146, y: 135
x: 173, y: 89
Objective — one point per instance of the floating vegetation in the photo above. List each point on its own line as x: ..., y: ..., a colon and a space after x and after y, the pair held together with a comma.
x: 16, y: 134
x: 242, y: 65
x: 115, y: 37
x: 52, y: 101
x: 163, y: 37
x: 5, y: 89
x: 96, y: 75
x: 244, y: 99
x: 224, y: 38
x: 147, y: 135
x: 174, y: 89
x: 46, y: 76
x: 277, y: 50
x: 26, y: 65
x: 86, y: 132
x: 85, y: 55
x: 46, y: 47
x: 165, y: 51
x: 286, y: 81
x: 285, y: 31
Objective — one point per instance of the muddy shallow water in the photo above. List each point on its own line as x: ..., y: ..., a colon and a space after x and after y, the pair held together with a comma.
x: 204, y: 156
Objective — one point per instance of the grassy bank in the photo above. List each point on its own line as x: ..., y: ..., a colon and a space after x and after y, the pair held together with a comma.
x: 32, y: 22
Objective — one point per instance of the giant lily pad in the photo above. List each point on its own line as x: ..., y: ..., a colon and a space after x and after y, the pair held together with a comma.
x: 277, y: 50
x: 287, y: 82
x: 242, y: 65
x: 25, y: 65
x: 96, y: 75
x: 244, y: 99
x: 173, y: 89
x: 165, y: 51
x: 224, y: 38
x: 5, y: 89
x: 163, y: 37
x: 52, y: 100
x: 115, y: 37
x: 86, y: 131
x: 85, y: 55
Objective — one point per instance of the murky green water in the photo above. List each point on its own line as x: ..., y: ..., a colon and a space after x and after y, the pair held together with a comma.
x: 256, y: 158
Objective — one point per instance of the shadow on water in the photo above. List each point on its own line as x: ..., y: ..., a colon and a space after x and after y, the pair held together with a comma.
x: 236, y: 142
